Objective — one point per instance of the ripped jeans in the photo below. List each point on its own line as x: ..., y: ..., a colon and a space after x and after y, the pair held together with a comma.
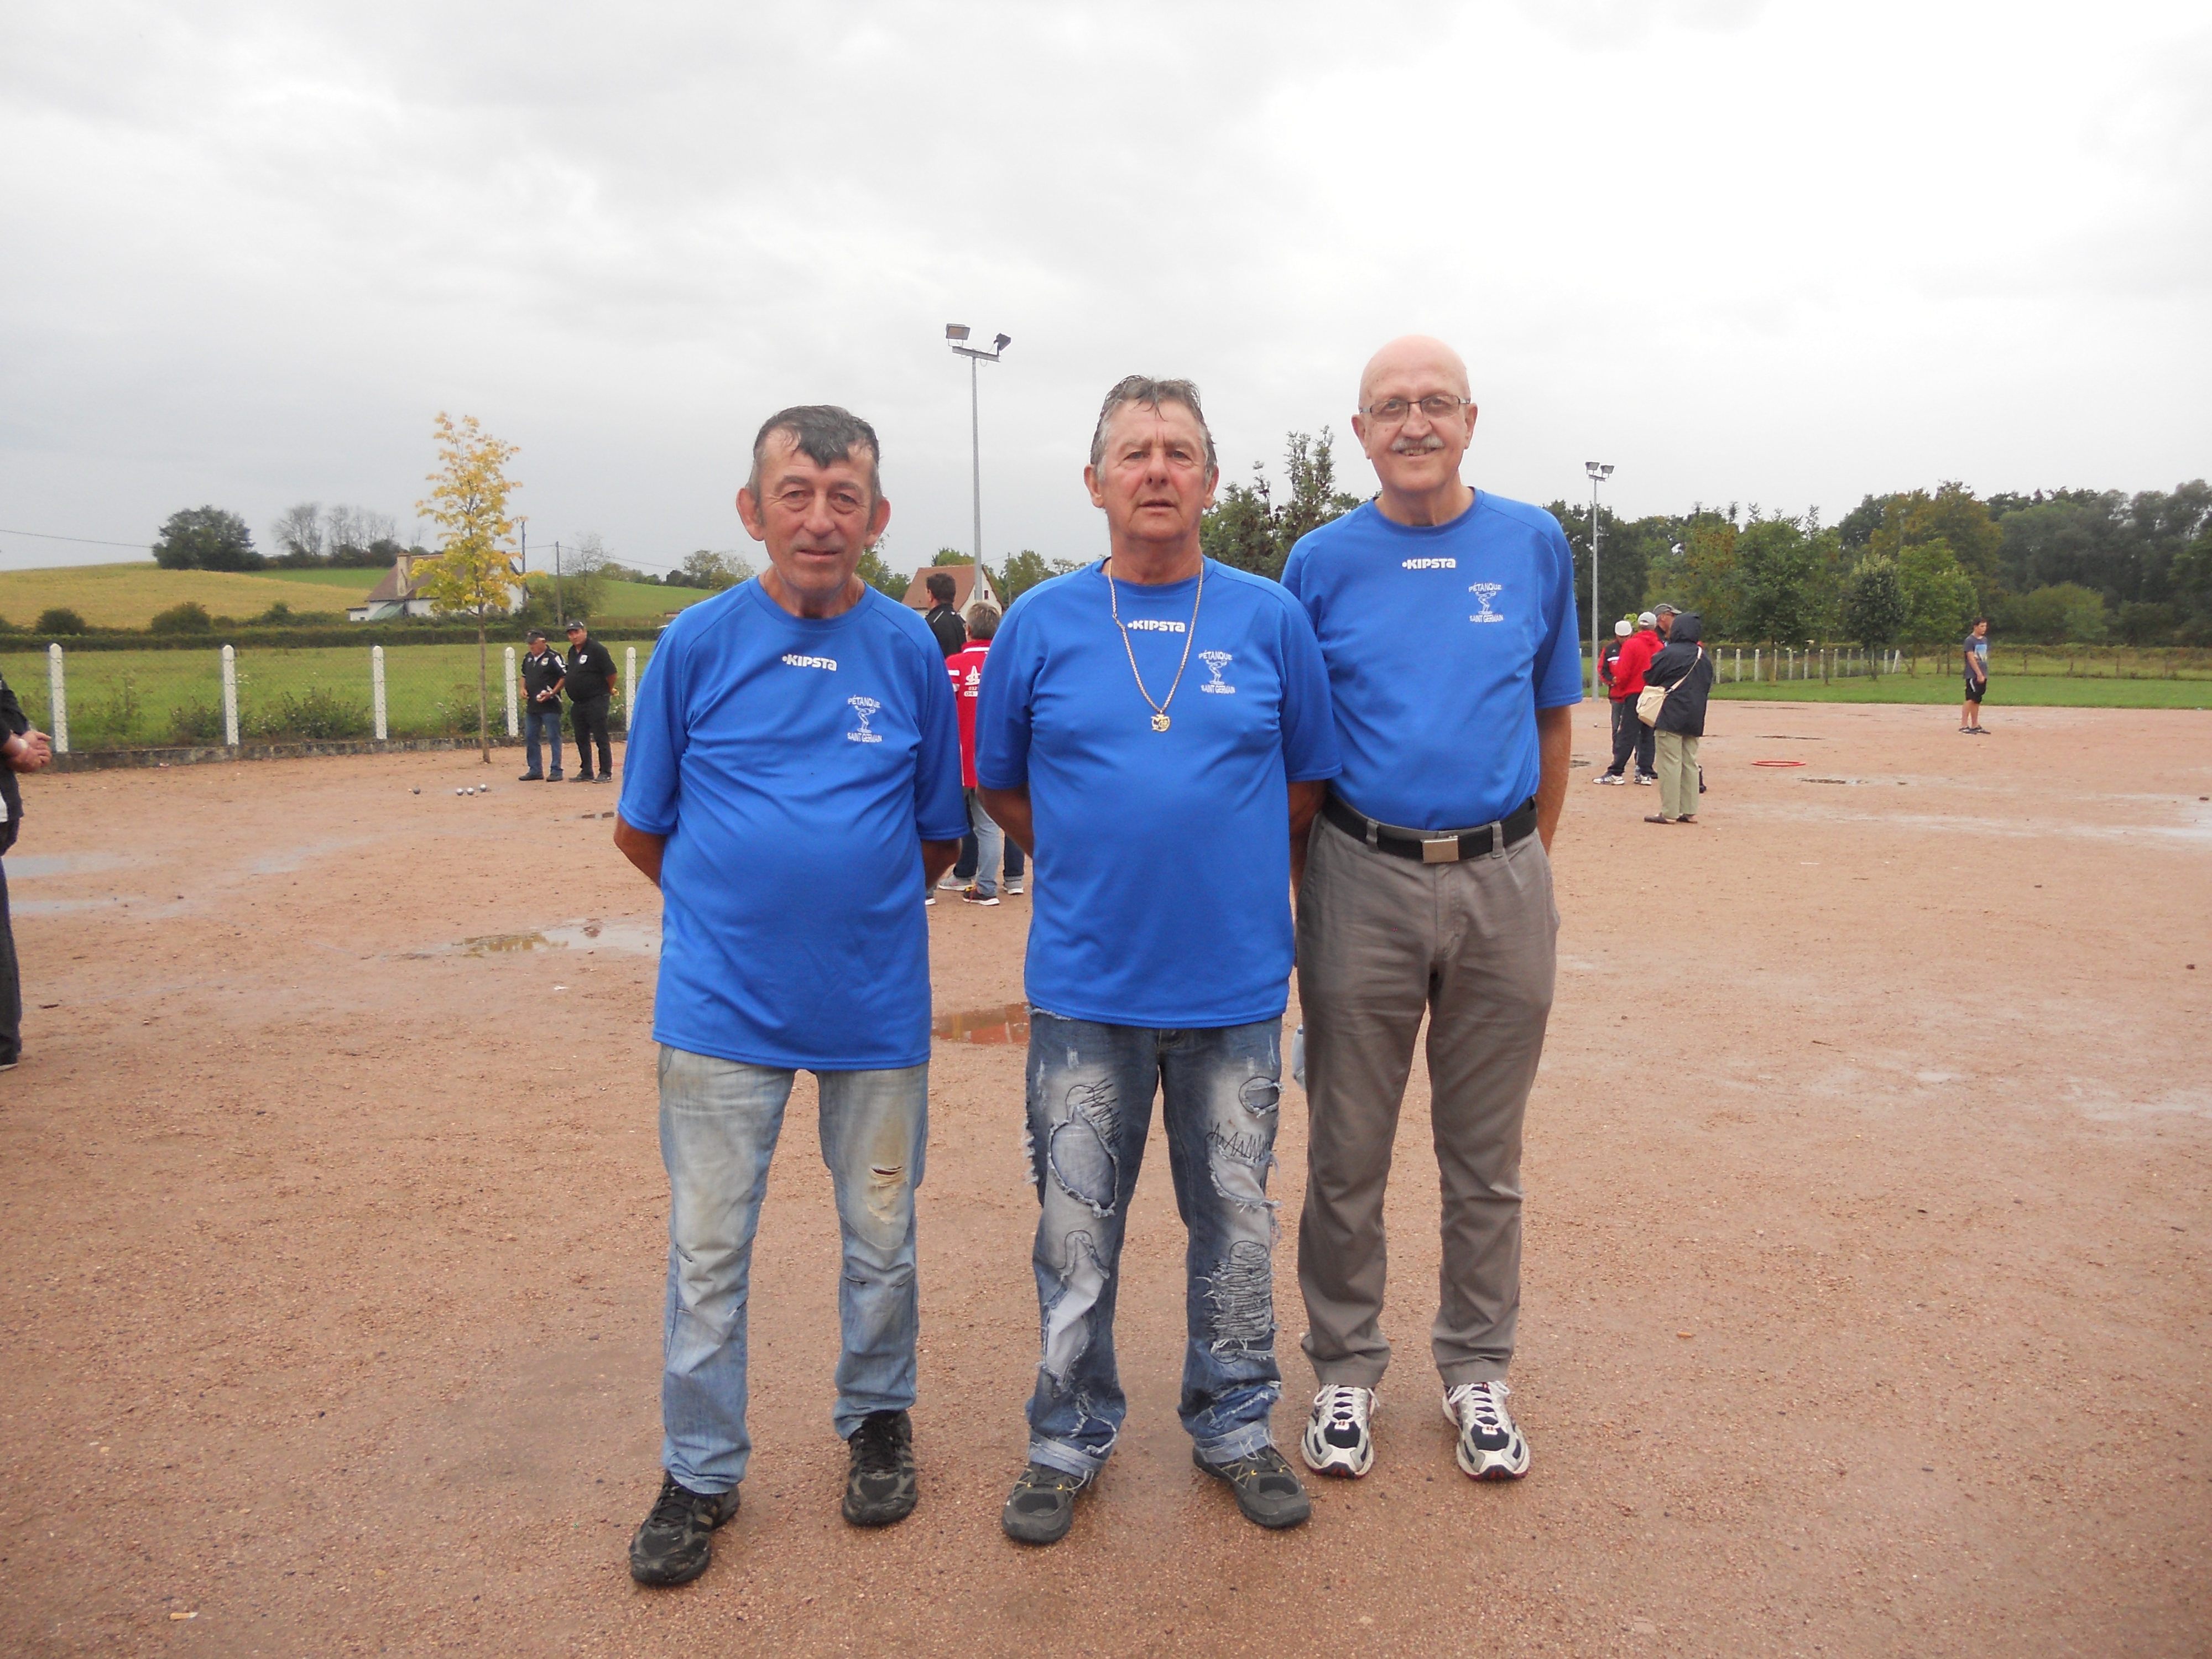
x: 1091, y: 1091
x: 720, y: 1120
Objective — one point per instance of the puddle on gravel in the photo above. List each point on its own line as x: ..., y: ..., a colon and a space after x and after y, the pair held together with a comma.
x: 1008, y: 1022
x: 637, y: 938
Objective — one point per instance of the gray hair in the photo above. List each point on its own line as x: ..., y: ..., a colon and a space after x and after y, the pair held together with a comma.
x: 825, y: 434
x: 1142, y: 389
x: 982, y: 620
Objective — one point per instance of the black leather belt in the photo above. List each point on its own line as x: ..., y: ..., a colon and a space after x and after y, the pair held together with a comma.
x: 1432, y: 846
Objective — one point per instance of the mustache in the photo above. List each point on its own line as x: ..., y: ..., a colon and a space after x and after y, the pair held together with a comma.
x: 1421, y: 446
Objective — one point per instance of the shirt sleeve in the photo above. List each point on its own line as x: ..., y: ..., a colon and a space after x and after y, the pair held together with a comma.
x: 652, y: 762
x: 1002, y: 705
x: 1557, y: 675
x: 1309, y: 751
x: 940, y: 808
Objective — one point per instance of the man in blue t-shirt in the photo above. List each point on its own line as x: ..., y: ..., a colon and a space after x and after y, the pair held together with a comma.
x: 1447, y: 617
x: 793, y: 767
x: 1154, y: 728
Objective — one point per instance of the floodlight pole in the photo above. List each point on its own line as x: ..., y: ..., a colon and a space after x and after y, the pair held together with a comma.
x: 956, y: 335
x: 1599, y: 471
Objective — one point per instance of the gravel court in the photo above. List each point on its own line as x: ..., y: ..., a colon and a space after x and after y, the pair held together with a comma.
x: 1866, y: 1274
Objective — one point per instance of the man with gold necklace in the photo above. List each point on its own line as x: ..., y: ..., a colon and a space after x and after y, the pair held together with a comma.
x: 1155, y: 715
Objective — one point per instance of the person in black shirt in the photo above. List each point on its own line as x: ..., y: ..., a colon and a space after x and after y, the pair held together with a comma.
x: 944, y: 621
x: 590, y: 675
x: 22, y: 749
x: 543, y: 672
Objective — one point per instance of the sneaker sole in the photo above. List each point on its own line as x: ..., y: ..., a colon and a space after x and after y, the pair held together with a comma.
x: 1340, y: 1462
x: 1498, y: 1465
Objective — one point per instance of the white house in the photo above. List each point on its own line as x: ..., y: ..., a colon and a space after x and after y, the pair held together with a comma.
x: 400, y: 593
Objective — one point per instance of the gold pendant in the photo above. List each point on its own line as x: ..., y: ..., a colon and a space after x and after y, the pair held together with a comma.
x: 1159, y: 722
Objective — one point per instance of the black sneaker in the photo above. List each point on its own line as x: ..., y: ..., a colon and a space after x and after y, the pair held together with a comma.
x: 677, y: 1539
x: 879, y: 1486
x: 581, y: 777
x: 1042, y: 1506
x: 531, y: 777
x: 1267, y: 1489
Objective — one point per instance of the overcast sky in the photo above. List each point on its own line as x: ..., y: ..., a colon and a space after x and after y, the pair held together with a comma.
x: 1772, y: 252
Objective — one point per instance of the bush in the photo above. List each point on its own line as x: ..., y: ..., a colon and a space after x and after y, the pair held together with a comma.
x: 189, y: 617
x: 317, y: 716
x: 59, y: 619
x: 196, y: 723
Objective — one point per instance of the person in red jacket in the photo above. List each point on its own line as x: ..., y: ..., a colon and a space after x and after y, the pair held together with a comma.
x: 966, y: 668
x: 1630, y: 734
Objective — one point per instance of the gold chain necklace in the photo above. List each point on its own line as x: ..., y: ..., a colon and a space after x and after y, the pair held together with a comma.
x: 1159, y: 709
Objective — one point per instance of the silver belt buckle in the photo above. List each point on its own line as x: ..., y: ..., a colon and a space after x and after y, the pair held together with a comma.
x: 1440, y: 849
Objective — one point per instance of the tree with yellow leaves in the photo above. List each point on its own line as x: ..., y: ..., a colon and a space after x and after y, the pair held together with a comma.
x: 472, y: 574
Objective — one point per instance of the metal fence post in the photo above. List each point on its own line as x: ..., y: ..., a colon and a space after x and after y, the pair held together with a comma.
x: 58, y: 696
x: 512, y: 730
x: 230, y: 697
x: 376, y: 689
x: 629, y: 686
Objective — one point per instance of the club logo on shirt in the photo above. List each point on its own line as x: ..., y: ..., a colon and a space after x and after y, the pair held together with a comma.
x: 1151, y: 626
x: 864, y: 708
x: 1431, y: 564
x: 794, y: 659
x: 1484, y: 593
x: 1215, y: 662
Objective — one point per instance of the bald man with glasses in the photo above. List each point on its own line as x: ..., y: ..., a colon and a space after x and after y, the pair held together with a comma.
x: 1446, y: 615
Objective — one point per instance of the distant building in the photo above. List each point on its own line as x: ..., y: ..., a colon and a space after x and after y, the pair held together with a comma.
x: 400, y: 593
x: 970, y: 583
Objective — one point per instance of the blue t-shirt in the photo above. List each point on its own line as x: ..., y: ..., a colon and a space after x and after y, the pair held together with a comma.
x: 795, y: 766
x: 1162, y: 895
x: 1442, y: 641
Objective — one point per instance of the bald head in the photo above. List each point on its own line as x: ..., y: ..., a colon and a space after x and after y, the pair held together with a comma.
x: 1416, y: 358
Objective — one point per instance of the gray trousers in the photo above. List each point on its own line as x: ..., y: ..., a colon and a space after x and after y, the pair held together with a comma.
x: 1382, y: 939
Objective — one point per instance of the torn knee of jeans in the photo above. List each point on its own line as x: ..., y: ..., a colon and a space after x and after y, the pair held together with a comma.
x: 1065, y: 1331
x: 1260, y: 1095
x: 1080, y: 1148
x: 1240, y: 1165
x: 1240, y: 1298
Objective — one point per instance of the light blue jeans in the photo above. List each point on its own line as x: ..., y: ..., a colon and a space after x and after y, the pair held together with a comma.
x: 990, y: 845
x: 1091, y: 1091
x: 720, y: 1120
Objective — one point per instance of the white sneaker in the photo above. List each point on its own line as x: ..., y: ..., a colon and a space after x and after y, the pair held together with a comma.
x: 1608, y: 777
x: 1336, y: 1440
x: 1490, y: 1447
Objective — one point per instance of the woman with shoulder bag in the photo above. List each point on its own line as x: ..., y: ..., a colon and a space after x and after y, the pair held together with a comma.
x: 1680, y: 682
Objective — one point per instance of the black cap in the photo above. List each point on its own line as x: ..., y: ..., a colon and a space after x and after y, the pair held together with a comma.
x: 577, y: 628
x: 537, y: 633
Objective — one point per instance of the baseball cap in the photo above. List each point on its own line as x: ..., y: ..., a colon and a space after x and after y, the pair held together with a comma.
x: 537, y: 633
x: 577, y: 628
x: 1667, y: 610
x: 1623, y: 628
x: 1646, y: 618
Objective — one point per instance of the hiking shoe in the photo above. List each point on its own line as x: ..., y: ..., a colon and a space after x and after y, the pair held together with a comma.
x: 1490, y: 1447
x: 1336, y: 1440
x: 879, y: 1486
x: 1608, y: 777
x: 1042, y: 1506
x: 530, y: 777
x: 977, y: 895
x: 1267, y: 1489
x: 677, y: 1539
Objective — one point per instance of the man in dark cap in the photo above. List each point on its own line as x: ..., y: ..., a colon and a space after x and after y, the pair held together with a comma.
x: 543, y: 674
x: 590, y: 677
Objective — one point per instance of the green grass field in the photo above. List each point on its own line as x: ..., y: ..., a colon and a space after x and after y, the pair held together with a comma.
x: 128, y: 595
x: 134, y: 699
x: 2017, y: 690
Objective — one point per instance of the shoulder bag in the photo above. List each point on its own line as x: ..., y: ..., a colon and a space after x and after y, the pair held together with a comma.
x: 1653, y: 698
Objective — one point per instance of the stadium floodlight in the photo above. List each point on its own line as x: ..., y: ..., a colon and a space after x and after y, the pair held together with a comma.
x: 955, y: 333
x: 1599, y: 472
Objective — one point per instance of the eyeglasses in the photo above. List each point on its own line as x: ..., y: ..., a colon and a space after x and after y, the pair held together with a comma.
x: 1437, y: 406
